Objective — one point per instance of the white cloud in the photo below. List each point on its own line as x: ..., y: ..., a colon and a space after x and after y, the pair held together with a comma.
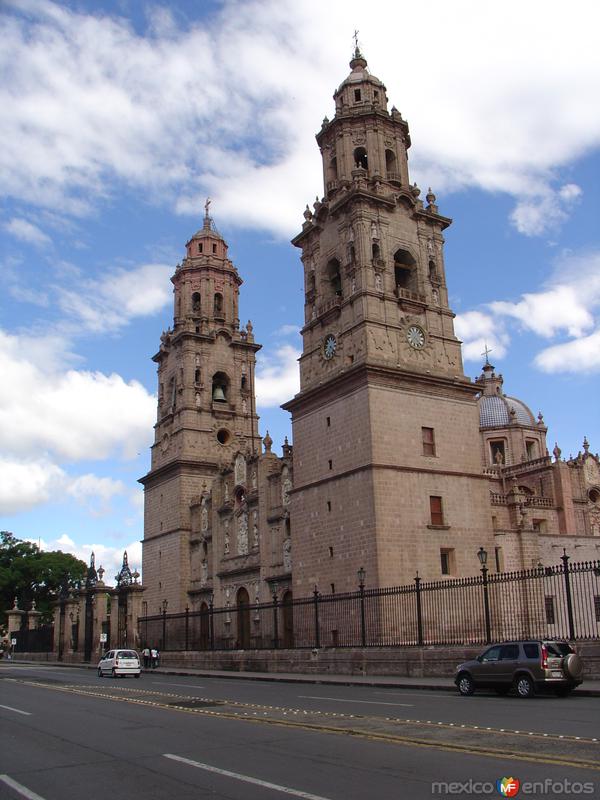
x: 27, y: 232
x: 569, y: 303
x: 28, y: 483
x: 580, y: 355
x: 542, y: 213
x: 110, y: 558
x: 121, y: 295
x: 277, y: 376
x: 72, y: 414
x: 228, y: 106
x: 478, y: 331
x: 546, y: 313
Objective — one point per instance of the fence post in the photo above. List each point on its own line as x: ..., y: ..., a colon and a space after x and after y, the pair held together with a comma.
x: 486, y: 605
x: 275, y: 621
x: 211, y: 621
x: 187, y: 627
x: 163, y: 645
x: 317, y: 632
x: 419, y: 610
x: 565, y: 559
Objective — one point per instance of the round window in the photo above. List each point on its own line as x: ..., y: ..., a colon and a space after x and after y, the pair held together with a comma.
x: 594, y: 496
x: 223, y: 436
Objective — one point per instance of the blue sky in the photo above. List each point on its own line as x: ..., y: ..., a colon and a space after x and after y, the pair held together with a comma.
x: 118, y: 119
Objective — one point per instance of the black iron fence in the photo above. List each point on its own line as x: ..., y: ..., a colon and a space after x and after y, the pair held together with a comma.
x: 36, y: 640
x: 562, y: 601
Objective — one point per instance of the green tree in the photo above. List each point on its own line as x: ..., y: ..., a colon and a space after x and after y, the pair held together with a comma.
x: 28, y: 573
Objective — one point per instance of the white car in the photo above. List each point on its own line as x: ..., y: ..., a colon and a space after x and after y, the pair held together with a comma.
x: 120, y: 662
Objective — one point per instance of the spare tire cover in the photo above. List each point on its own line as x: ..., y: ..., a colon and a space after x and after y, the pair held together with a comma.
x: 573, y: 665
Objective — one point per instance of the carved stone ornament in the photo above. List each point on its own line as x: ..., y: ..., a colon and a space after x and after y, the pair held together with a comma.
x: 287, y: 555
x: 242, y: 535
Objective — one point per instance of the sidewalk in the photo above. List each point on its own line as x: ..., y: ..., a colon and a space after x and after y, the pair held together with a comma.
x: 589, y: 688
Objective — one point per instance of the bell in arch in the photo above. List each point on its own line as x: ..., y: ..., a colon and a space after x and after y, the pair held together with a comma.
x: 218, y: 394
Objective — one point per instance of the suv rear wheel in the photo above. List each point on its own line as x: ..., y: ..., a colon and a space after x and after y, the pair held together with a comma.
x: 465, y: 685
x: 524, y: 686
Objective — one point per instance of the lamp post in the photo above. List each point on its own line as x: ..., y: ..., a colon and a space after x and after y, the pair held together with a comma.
x: 211, y: 603
x: 165, y: 604
x: 274, y: 589
x: 482, y: 556
x: 361, y: 589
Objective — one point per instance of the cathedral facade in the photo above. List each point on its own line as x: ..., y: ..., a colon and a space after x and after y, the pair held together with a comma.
x: 400, y: 462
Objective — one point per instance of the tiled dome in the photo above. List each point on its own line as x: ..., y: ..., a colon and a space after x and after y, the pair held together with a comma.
x: 494, y: 411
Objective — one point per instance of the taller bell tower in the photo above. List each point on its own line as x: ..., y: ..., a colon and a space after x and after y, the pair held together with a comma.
x: 387, y: 471
x: 206, y: 409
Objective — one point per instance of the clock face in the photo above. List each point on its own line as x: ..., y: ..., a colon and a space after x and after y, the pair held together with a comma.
x: 329, y: 346
x: 415, y: 337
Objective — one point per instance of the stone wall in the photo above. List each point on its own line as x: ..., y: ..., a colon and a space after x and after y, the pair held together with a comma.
x: 429, y: 662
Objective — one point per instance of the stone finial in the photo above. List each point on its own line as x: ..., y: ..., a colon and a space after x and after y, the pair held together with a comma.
x: 430, y: 197
x: 586, y: 445
x: 540, y: 418
x: 16, y: 604
x: 325, y: 121
x: 101, y: 572
x: 136, y: 576
x: 268, y: 443
x: 32, y: 605
x: 307, y: 213
x: 415, y: 191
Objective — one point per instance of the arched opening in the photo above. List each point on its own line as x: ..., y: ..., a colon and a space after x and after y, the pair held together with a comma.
x: 405, y: 273
x: 196, y: 375
x: 433, y: 276
x: 243, y: 619
x: 376, y: 252
x: 218, y: 304
x: 335, y: 277
x: 240, y: 497
x: 361, y: 160
x: 223, y: 436
x: 196, y: 303
x: 391, y: 164
x: 204, y: 627
x: 287, y: 610
x: 220, y: 387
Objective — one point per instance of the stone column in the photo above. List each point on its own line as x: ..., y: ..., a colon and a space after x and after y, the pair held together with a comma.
x: 14, y: 622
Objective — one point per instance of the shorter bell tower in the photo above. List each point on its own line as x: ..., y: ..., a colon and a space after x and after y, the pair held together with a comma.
x: 206, y: 408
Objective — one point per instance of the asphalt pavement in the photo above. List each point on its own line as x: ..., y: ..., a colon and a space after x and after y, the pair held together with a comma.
x: 69, y: 734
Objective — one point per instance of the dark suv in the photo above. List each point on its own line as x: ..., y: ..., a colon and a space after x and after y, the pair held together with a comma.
x: 525, y: 666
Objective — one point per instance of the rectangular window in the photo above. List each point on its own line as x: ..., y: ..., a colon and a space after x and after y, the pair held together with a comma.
x: 499, y: 559
x: 428, y: 437
x: 531, y: 650
x: 597, y: 607
x: 200, y: 247
x: 330, y: 464
x: 357, y: 95
x: 329, y: 422
x: 435, y: 507
x: 214, y: 248
x: 549, y: 606
x: 531, y: 450
x: 329, y: 505
x: 447, y: 561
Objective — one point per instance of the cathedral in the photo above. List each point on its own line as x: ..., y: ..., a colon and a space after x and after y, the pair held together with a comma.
x: 400, y: 463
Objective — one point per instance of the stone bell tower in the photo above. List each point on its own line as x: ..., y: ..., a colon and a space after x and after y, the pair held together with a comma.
x: 387, y: 469
x: 206, y: 409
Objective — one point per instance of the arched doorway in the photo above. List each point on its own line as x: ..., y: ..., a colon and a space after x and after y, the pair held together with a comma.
x: 243, y: 619
x: 287, y: 610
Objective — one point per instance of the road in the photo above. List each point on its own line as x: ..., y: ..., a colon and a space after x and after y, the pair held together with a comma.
x: 69, y: 734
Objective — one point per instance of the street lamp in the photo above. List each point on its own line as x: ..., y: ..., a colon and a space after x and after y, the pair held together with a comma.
x: 274, y: 588
x: 165, y: 603
x: 482, y: 556
x: 361, y: 588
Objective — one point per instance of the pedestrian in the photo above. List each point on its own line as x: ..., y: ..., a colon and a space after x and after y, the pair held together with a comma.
x: 146, y: 655
x: 157, y: 657
x: 153, y: 657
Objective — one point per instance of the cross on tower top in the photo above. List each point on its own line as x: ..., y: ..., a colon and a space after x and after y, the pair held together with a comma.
x: 486, y: 353
x: 207, y: 206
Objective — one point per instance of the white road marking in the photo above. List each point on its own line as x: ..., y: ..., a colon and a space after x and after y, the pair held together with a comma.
x: 189, y: 685
x: 245, y: 778
x: 20, y: 789
x: 344, y: 700
x: 16, y: 710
